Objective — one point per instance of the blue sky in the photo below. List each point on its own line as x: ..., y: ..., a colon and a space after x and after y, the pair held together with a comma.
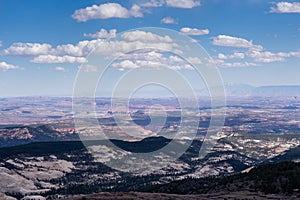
x: 252, y: 42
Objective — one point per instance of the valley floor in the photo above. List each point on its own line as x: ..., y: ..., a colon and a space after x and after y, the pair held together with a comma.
x: 241, y: 195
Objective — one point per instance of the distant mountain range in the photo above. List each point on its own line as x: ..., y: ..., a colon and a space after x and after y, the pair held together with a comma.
x: 277, y: 91
x: 248, y: 90
x: 230, y: 90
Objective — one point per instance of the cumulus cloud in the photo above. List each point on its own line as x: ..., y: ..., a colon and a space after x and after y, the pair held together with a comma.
x: 194, y: 60
x: 176, y: 59
x: 102, y: 34
x: 153, y: 64
x: 129, y: 41
x: 143, y: 55
x: 286, y: 7
x: 151, y: 59
x: 61, y: 69
x: 135, y: 11
x: 0, y: 43
x: 5, y: 66
x: 28, y: 49
x: 268, y: 57
x: 222, y: 63
x: 237, y: 55
x: 105, y: 11
x: 265, y: 56
x: 257, y: 55
x: 183, y: 3
x: 143, y: 36
x: 82, y: 48
x: 75, y: 53
x: 125, y: 64
x: 254, y: 52
x: 194, y: 31
x: 294, y: 54
x: 168, y: 20
x: 58, y: 59
x: 181, y: 67
x: 229, y: 41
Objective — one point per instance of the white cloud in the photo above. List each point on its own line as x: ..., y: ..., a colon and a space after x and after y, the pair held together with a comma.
x: 222, y: 56
x: 171, y: 3
x: 265, y: 56
x: 58, y: 59
x: 109, y: 48
x: 176, y: 59
x: 75, y: 53
x: 233, y: 56
x: 181, y: 67
x: 229, y: 41
x: 82, y: 48
x: 130, y: 64
x: 28, y: 49
x: 183, y: 3
x: 88, y: 68
x: 150, y: 64
x: 241, y: 64
x: 143, y: 36
x: 0, y: 43
x: 224, y: 40
x: 194, y: 60
x: 102, y: 34
x: 61, y: 69
x: 129, y: 41
x: 193, y: 40
x: 222, y: 63
x: 105, y: 11
x: 286, y: 7
x: 268, y: 57
x: 257, y: 55
x: 294, y: 54
x: 168, y: 20
x: 125, y: 64
x: 153, y: 3
x: 194, y: 31
x: 143, y: 55
x: 152, y: 59
x: 5, y: 66
x: 135, y: 11
x: 255, y: 52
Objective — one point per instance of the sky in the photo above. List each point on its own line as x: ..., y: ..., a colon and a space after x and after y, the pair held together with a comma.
x: 44, y: 43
